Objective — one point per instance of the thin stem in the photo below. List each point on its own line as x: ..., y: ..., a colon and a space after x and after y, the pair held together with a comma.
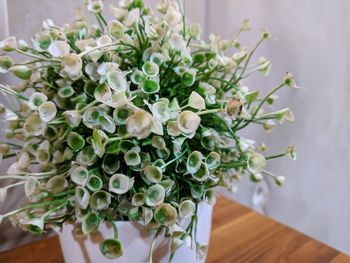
x: 35, y: 56
x: 97, y: 48
x: 113, y: 139
x: 233, y: 165
x: 31, y: 206
x: 14, y: 185
x: 175, y: 159
x: 210, y: 111
x: 12, y: 92
x: 150, y: 254
x: 248, y: 59
x: 10, y: 155
x: 183, y: 18
x: 261, y: 104
x: 275, y: 156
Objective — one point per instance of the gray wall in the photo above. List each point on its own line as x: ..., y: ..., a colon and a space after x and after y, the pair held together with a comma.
x: 311, y: 41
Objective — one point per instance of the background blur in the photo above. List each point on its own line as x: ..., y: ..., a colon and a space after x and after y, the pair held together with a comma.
x: 310, y: 40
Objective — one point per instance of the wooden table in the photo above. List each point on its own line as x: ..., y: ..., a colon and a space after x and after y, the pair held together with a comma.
x: 238, y: 235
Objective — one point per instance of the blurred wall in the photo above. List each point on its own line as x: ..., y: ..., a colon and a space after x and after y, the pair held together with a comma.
x: 312, y: 41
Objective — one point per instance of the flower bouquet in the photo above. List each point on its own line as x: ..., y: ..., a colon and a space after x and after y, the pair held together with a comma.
x: 135, y: 119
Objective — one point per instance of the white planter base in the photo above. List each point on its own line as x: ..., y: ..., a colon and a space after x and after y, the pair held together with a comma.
x: 136, y: 243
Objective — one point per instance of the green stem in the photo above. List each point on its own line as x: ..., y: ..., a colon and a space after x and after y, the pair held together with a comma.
x: 173, y: 160
x: 10, y: 155
x: 261, y: 104
x: 233, y: 165
x: 150, y: 254
x: 31, y: 206
x: 210, y: 111
x: 35, y: 56
x: 248, y: 60
x: 12, y: 92
x: 275, y: 156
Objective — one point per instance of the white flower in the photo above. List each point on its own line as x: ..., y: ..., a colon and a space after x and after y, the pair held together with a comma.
x: 196, y: 101
x: 31, y: 185
x: 59, y: 49
x: 155, y: 195
x: 187, y: 209
x: 120, y: 183
x: 256, y: 163
x: 165, y: 214
x: 103, y: 40
x: 117, y: 80
x: 8, y: 44
x: 34, y: 125
x: 132, y: 17
x: 100, y: 200
x: 140, y: 124
x: 115, y: 29
x: 172, y: 17
x: 95, y: 6
x: 79, y: 175
x: 201, y: 251
x: 72, y: 117
x: 47, y: 111
x: 188, y: 122
x: 72, y: 65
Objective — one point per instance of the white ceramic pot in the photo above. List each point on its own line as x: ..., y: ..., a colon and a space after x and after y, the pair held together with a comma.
x: 136, y: 243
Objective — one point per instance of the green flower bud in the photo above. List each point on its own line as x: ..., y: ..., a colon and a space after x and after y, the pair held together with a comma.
x: 151, y: 69
x: 202, y: 174
x: 110, y: 163
x: 132, y: 158
x: 138, y: 77
x: 100, y: 200
x: 256, y: 163
x: 6, y: 62
x: 75, y: 141
x: 94, y: 183
x: 87, y: 156
x: 138, y: 199
x: 153, y: 174
x: 150, y: 86
x: 111, y: 248
x: 155, y: 195
x: 82, y: 197
x: 66, y: 92
x: 194, y: 162
x: 187, y: 209
x: 57, y: 184
x: 120, y: 183
x: 90, y: 223
x: 22, y: 72
x: 165, y: 215
x: 213, y: 160
x: 79, y: 175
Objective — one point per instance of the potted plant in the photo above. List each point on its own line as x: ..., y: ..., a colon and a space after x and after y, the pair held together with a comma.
x: 128, y: 127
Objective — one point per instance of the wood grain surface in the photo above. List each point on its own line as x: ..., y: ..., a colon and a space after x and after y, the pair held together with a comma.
x: 238, y: 235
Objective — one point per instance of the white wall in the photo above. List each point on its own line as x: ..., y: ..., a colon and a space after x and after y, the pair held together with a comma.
x: 312, y: 42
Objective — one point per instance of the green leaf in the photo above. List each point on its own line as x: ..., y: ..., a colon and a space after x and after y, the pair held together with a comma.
x: 252, y: 96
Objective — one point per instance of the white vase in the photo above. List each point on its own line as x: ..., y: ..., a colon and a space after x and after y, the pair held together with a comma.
x: 136, y: 243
